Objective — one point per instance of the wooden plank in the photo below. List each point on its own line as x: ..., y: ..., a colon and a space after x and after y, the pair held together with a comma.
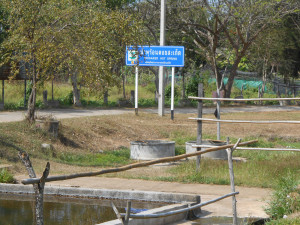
x: 247, y: 121
x: 242, y: 100
x: 134, y: 165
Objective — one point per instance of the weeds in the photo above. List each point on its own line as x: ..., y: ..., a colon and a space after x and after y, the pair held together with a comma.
x: 285, y: 199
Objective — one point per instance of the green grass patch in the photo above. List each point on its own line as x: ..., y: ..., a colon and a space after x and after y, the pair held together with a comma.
x: 286, y: 221
x: 107, y: 158
x: 255, y: 173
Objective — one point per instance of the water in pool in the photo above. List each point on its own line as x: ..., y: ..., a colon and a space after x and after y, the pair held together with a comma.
x: 17, y: 209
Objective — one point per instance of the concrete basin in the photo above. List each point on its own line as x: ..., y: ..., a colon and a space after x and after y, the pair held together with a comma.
x: 221, y: 154
x: 151, y: 149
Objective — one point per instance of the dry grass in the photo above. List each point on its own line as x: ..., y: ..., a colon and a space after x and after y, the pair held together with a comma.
x: 92, y: 134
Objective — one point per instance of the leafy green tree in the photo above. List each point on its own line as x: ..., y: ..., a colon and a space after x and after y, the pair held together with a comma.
x: 81, y: 38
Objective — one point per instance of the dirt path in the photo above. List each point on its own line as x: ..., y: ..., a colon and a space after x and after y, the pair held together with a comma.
x: 250, y: 201
x: 75, y: 113
x: 61, y: 113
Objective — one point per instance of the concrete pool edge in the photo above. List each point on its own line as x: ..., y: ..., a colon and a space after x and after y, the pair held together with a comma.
x: 150, y: 196
x: 177, y: 201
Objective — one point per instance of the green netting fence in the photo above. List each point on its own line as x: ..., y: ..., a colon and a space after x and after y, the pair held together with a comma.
x: 239, y: 83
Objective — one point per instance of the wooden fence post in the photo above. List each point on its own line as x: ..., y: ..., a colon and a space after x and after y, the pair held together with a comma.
x: 38, y: 188
x: 199, y: 124
x: 230, y: 165
x: 128, y: 211
x: 117, y: 213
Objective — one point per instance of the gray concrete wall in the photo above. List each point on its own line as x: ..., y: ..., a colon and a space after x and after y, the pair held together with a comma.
x: 150, y: 196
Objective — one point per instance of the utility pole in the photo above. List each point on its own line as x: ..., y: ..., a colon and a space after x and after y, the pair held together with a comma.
x: 161, y: 88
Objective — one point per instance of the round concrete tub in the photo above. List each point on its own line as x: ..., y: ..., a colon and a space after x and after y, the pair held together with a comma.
x: 151, y: 149
x: 221, y: 154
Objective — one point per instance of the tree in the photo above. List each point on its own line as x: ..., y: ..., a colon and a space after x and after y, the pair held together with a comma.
x: 26, y: 43
x: 227, y: 28
x: 242, y: 23
x: 200, y: 32
x: 81, y: 37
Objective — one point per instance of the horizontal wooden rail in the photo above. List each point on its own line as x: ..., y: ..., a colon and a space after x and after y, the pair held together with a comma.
x: 270, y: 149
x: 242, y: 99
x: 131, y: 166
x: 148, y: 216
x: 246, y: 148
x: 246, y: 121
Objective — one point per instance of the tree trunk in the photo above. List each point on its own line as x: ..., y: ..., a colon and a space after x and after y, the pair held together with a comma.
x: 232, y: 75
x: 76, y: 91
x: 105, y: 98
x: 262, y: 90
x: 123, y: 79
x: 183, y: 84
x: 155, y: 71
x: 217, y: 73
x: 32, y: 98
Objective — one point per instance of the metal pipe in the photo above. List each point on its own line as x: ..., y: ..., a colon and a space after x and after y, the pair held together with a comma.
x: 148, y: 216
x: 246, y: 121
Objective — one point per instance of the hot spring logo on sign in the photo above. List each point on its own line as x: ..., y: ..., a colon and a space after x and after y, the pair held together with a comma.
x: 132, y: 56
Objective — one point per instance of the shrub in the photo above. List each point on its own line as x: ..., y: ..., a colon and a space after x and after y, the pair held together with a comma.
x: 151, y: 87
x: 67, y: 99
x: 6, y: 177
x: 143, y: 102
x: 169, y: 89
x: 202, y: 77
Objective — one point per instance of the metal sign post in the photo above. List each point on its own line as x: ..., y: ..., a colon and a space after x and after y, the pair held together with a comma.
x: 136, y: 89
x: 172, y: 93
x: 161, y: 85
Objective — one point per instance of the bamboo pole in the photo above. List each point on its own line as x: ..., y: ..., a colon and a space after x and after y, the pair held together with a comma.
x: 247, y: 121
x: 242, y: 100
x: 135, y: 165
x: 149, y: 216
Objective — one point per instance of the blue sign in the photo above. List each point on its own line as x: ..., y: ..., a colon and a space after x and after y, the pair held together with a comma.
x: 171, y: 56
